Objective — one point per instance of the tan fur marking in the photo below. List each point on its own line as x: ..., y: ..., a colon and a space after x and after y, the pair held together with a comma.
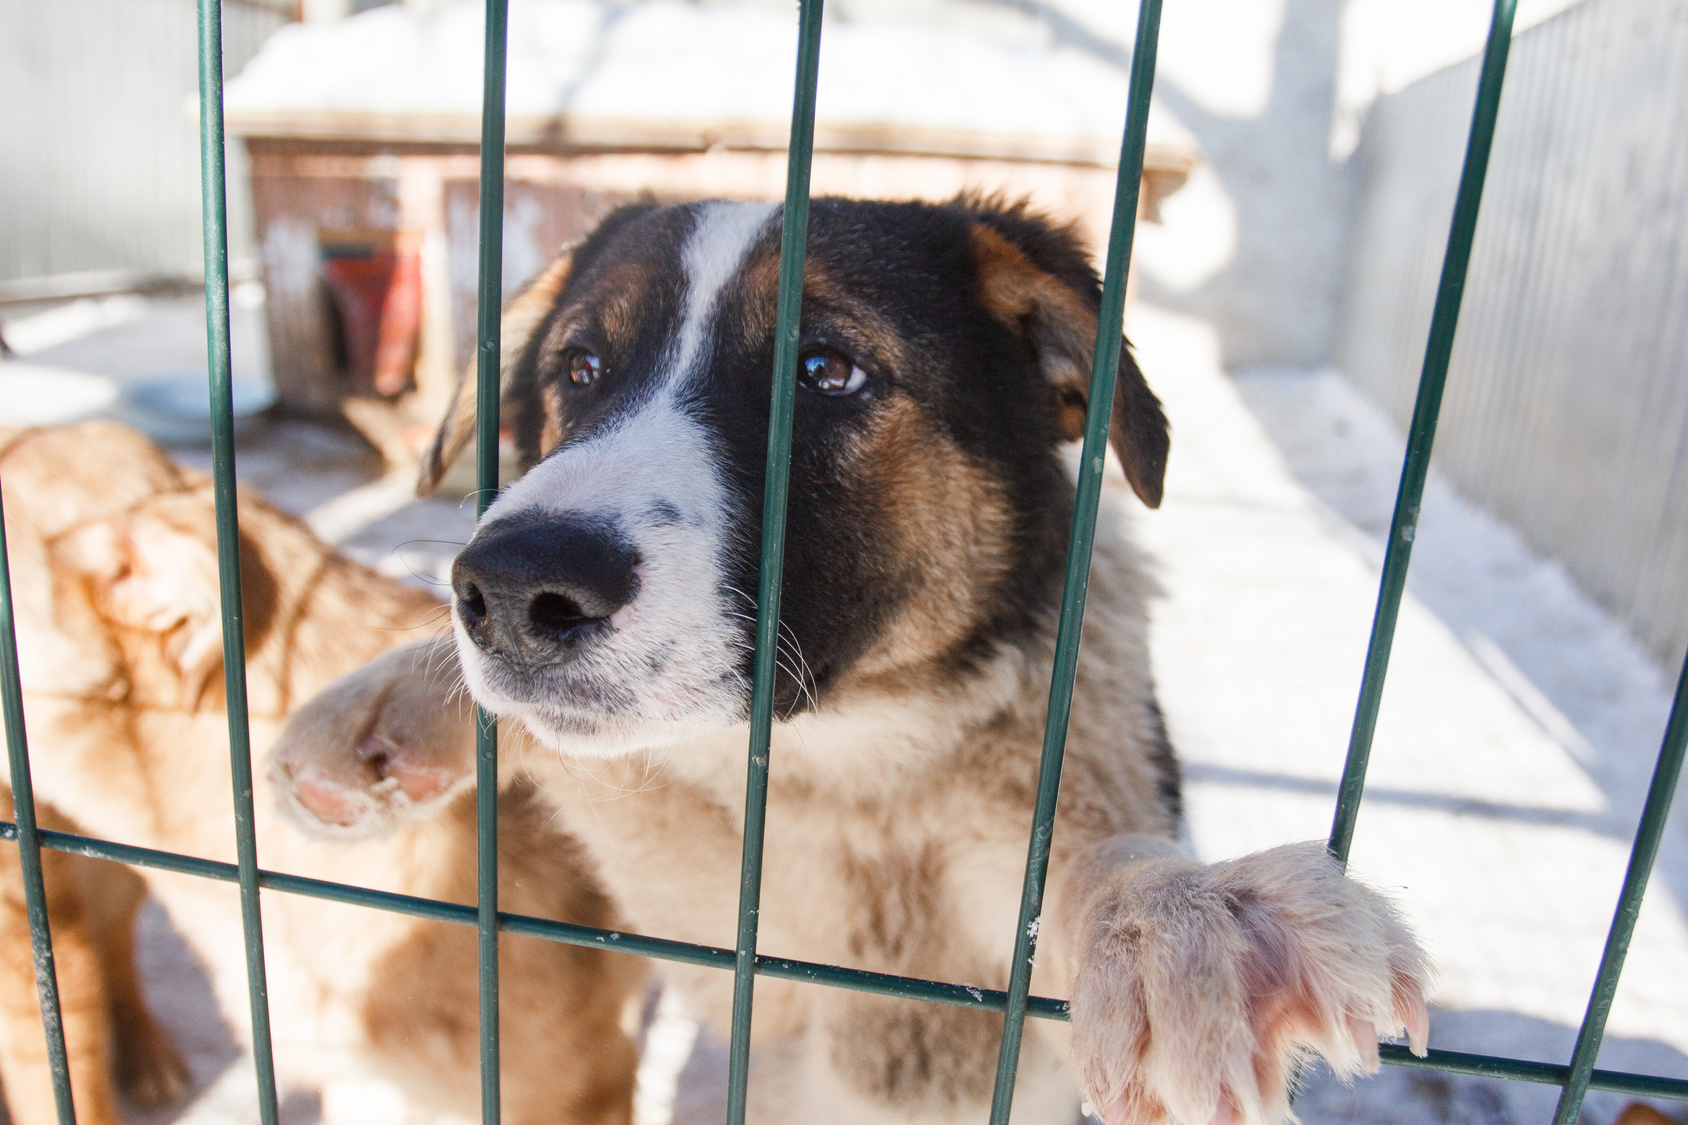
x: 1061, y: 327
x: 522, y: 317
x: 616, y: 303
x: 854, y: 325
x: 555, y: 426
x: 1024, y: 297
x: 950, y: 522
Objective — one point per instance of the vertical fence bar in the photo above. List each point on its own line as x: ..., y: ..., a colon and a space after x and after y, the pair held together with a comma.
x: 491, y: 300
x: 1103, y: 371
x: 213, y: 191
x: 29, y: 844
x: 794, y: 234
x: 1648, y: 834
x: 1422, y: 433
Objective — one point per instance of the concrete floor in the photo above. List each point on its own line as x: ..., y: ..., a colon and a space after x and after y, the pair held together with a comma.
x: 1515, y: 742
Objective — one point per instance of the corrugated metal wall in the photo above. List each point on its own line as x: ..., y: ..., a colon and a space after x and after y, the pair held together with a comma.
x: 99, y: 158
x: 1567, y: 402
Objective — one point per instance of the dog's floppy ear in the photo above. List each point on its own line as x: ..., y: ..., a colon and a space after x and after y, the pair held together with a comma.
x: 521, y: 319
x: 153, y: 576
x: 1057, y: 314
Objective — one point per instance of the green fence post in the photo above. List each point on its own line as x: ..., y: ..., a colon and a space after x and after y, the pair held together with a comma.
x: 794, y: 235
x: 491, y: 300
x: 29, y: 845
x: 1422, y: 433
x: 1103, y: 370
x: 1648, y: 834
x: 213, y: 193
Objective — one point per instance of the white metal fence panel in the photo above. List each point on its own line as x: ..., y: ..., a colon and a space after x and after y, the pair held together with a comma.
x: 1567, y: 401
x: 99, y: 155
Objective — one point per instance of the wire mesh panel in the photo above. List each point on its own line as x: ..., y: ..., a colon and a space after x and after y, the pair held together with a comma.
x: 744, y: 961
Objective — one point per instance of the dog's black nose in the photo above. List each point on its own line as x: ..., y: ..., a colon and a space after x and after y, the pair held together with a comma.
x: 532, y: 587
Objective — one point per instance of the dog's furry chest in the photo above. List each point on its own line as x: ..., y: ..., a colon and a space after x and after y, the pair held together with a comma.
x: 872, y: 858
x: 921, y: 880
x: 864, y: 883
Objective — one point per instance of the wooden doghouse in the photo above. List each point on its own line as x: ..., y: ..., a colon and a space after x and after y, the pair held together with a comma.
x: 365, y: 189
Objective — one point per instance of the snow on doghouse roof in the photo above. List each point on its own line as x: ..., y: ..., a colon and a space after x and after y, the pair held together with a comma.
x: 668, y: 76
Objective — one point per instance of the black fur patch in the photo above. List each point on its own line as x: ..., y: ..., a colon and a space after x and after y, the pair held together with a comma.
x: 895, y: 288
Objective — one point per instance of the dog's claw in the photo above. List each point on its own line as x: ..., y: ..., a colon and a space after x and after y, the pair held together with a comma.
x: 1365, y: 1041
x: 1416, y: 1018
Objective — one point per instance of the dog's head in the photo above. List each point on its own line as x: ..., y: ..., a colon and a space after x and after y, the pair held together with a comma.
x: 945, y: 352
x: 65, y: 489
x: 115, y: 573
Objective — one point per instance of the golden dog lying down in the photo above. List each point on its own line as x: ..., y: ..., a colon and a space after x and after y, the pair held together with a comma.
x: 107, y: 1028
x: 113, y: 556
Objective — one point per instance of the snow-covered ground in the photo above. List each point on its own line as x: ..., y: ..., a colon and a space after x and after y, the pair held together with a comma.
x: 1518, y: 729
x: 1516, y: 739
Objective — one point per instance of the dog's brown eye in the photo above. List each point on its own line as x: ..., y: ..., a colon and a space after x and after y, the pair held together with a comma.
x: 828, y: 372
x: 584, y: 367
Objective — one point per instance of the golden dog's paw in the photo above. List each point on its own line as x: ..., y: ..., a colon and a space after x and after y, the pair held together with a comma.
x: 1200, y: 987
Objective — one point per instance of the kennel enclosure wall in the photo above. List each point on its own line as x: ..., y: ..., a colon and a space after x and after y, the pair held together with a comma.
x: 1566, y: 397
x: 1575, y: 1077
x: 98, y: 182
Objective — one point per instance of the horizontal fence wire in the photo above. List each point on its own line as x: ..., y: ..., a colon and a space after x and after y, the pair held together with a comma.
x: 568, y: 933
x: 1421, y: 435
x: 29, y: 846
x: 1086, y: 500
x: 1545, y: 1074
x: 214, y: 191
x: 715, y: 957
x: 487, y: 363
x: 794, y: 235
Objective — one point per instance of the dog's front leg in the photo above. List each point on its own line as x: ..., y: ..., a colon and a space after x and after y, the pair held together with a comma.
x: 1196, y: 987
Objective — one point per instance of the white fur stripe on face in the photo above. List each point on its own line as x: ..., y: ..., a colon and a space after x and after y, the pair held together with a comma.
x: 655, y: 475
x: 724, y: 234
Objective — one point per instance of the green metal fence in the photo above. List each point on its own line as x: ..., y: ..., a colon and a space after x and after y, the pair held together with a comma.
x: 1575, y: 1079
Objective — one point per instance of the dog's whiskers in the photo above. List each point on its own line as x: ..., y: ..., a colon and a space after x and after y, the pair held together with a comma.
x: 794, y: 665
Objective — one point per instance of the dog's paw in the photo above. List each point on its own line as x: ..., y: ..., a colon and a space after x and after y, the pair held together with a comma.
x: 379, y: 746
x: 1199, y: 988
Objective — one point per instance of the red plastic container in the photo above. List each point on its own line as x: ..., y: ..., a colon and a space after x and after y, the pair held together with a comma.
x: 375, y: 279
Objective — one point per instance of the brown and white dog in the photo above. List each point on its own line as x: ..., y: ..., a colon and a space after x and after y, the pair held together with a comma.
x: 113, y: 554
x: 604, y: 602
